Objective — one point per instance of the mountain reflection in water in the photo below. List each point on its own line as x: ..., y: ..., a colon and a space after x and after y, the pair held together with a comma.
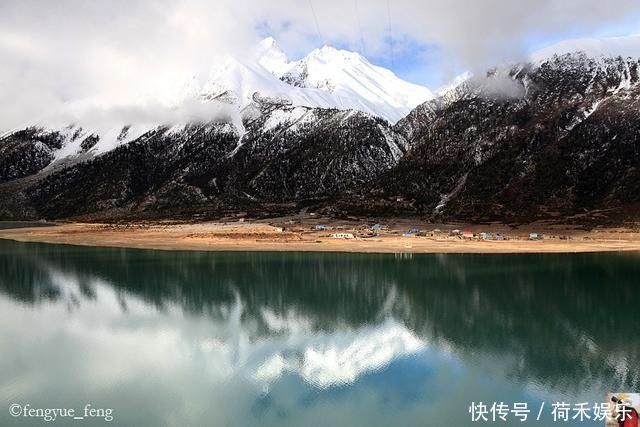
x: 120, y: 319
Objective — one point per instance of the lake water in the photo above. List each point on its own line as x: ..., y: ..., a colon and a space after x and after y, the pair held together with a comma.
x: 300, y: 339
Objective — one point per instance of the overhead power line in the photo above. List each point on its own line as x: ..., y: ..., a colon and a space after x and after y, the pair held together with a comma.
x: 315, y: 19
x: 390, y: 33
x: 355, y: 2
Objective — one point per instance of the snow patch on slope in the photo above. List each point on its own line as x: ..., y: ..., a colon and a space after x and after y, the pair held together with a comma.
x: 278, y: 117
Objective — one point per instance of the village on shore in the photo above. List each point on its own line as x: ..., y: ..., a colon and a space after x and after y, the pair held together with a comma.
x: 360, y: 228
x: 311, y: 225
x: 311, y: 232
x: 377, y: 229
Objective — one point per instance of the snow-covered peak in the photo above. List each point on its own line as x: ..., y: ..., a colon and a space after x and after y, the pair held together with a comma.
x: 235, y: 82
x: 349, y: 77
x: 627, y: 46
x: 268, y: 43
x: 272, y: 57
x: 242, y: 84
x: 331, y: 54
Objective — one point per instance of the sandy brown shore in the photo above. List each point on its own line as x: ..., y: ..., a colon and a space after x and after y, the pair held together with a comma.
x: 287, y: 234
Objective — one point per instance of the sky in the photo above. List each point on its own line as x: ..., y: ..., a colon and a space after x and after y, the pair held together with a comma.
x: 121, y: 51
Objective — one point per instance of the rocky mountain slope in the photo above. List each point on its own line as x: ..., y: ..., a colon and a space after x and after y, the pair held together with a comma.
x: 555, y: 137
x: 285, y: 154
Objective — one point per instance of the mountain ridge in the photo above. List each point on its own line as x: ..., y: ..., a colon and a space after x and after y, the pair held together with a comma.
x: 551, y: 139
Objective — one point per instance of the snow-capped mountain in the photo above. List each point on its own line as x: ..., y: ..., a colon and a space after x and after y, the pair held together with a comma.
x: 593, y: 56
x: 597, y: 50
x: 352, y: 81
x: 554, y: 136
x: 233, y: 91
x: 325, y: 78
x: 242, y: 83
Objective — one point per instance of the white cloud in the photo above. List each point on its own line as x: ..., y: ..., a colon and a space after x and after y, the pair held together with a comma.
x: 119, y: 51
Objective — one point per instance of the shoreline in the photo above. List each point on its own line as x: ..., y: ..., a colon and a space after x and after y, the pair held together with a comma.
x: 276, y: 237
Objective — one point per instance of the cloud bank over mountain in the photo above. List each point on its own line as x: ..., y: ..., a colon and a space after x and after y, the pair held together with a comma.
x: 121, y: 51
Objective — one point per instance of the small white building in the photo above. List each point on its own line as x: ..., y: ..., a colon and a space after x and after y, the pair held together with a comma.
x: 343, y: 236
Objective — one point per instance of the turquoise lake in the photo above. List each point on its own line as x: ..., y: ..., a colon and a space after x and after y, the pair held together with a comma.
x: 311, y: 339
